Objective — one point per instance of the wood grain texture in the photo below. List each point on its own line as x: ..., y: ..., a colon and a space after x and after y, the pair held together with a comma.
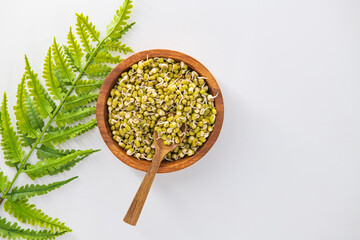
x: 102, y: 110
x: 137, y: 204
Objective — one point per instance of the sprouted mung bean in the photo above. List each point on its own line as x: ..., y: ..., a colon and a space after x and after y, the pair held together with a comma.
x: 149, y: 90
x: 168, y: 128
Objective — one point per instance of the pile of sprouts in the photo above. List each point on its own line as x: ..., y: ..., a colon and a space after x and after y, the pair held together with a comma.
x: 146, y: 93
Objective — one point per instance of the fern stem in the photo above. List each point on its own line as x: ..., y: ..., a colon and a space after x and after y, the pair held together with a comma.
x: 52, y: 117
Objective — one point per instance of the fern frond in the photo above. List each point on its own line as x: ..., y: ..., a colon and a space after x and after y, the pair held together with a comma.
x: 89, y: 26
x: 75, y: 49
x: 21, y: 112
x: 4, y: 183
x: 10, y: 141
x: 120, y: 18
x: 45, y: 152
x: 75, y: 101
x: 13, y: 232
x: 19, y: 193
x: 117, y: 46
x: 51, y: 81
x: 84, y: 36
x: 42, y: 101
x: 27, y: 213
x: 103, y: 57
x: 62, y: 66
x: 97, y: 70
x: 86, y: 86
x: 53, y: 166
x: 116, y: 36
x: 66, y: 133
x: 77, y: 114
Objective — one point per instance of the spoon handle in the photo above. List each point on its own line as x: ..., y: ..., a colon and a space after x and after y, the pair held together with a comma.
x: 137, y: 204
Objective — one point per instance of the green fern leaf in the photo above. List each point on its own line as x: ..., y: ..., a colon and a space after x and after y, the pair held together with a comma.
x: 117, y: 46
x: 4, y: 183
x: 90, y: 28
x: 75, y: 101
x: 75, y: 49
x: 97, y: 70
x: 84, y: 36
x: 19, y: 193
x: 120, y: 18
x: 45, y: 152
x: 21, y: 112
x: 77, y: 114
x: 66, y: 133
x: 42, y: 101
x: 116, y: 36
x: 86, y: 86
x: 27, y: 213
x: 62, y: 66
x: 50, y: 79
x: 53, y: 166
x: 14, y: 232
x: 10, y: 141
x: 102, y: 57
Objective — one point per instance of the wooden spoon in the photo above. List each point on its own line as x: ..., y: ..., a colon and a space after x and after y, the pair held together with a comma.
x: 161, y: 150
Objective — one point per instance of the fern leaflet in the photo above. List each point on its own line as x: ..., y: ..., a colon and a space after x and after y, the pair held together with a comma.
x: 28, y: 191
x: 66, y: 133
x: 97, y: 70
x: 45, y: 152
x: 120, y: 18
x: 86, y: 86
x: 102, y: 57
x: 90, y: 28
x: 79, y: 101
x: 50, y: 79
x: 14, y: 232
x: 21, y: 112
x: 27, y: 213
x: 70, y: 59
x: 42, y: 101
x: 33, y: 115
x: 4, y: 183
x: 10, y: 141
x: 116, y: 36
x: 65, y: 117
x: 53, y: 165
x: 84, y: 36
x: 117, y: 46
x: 75, y: 49
x: 62, y: 66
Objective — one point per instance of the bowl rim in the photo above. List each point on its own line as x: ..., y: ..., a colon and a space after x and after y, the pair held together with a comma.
x: 102, y: 110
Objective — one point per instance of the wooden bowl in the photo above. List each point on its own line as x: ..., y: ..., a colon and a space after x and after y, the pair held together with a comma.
x: 102, y: 110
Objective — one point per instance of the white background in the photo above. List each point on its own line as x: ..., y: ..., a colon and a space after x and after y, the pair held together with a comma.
x: 287, y: 163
